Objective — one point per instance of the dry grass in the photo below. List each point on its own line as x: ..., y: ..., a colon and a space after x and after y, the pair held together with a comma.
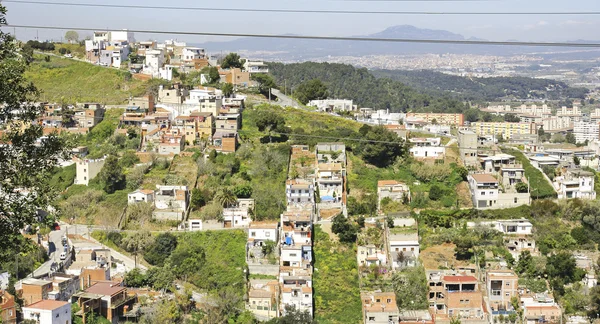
x: 464, y: 195
x: 438, y: 256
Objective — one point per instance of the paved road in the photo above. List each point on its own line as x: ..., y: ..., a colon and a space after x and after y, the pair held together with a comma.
x: 55, y: 248
x: 284, y: 100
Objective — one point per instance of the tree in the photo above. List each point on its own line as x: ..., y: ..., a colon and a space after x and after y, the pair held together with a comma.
x: 382, y: 147
x: 198, y: 199
x: 345, y: 230
x: 62, y: 51
x: 213, y: 75
x: 129, y: 159
x: 227, y: 89
x: 576, y: 160
x: 111, y: 176
x: 435, y: 192
x: 541, y: 132
x: 137, y: 241
x: 72, y: 36
x: 225, y: 197
x: 293, y: 316
x: 232, y: 60
x: 243, y: 190
x: 570, y: 138
x: 411, y: 288
x: 135, y: 278
x: 522, y: 187
x: 511, y: 118
x: 24, y: 164
x: 161, y: 249
x: 311, y: 90
x: 265, y: 83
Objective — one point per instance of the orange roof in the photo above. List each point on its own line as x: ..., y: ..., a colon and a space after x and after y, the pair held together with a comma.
x: 264, y: 224
x: 307, y: 290
x: 459, y: 279
x: 484, y: 178
x: 48, y: 304
x: 147, y: 192
x: 382, y: 183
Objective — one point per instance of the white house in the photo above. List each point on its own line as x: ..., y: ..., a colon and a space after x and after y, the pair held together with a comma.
x: 87, y: 169
x: 236, y: 217
x: 170, y: 202
x: 48, y: 312
x: 256, y: 67
x: 296, y: 290
x: 369, y: 254
x: 427, y: 148
x: 575, y: 183
x: 291, y: 256
x: 140, y: 195
x: 192, y: 53
x: 260, y: 232
x: 331, y: 105
x: 155, y: 59
x: 520, y: 226
x: 404, y: 248
x: 484, y: 190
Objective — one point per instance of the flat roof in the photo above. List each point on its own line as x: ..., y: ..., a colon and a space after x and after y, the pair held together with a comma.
x: 105, y: 288
x: 484, y: 178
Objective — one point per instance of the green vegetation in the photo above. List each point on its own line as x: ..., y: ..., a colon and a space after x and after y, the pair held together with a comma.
x: 72, y: 81
x: 336, y: 291
x: 63, y: 177
x: 311, y: 90
x: 358, y: 84
x: 484, y: 89
x: 540, y: 187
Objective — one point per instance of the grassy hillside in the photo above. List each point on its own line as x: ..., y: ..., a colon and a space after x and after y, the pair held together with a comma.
x: 66, y: 80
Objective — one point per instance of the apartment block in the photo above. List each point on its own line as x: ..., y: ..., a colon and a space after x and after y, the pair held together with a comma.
x: 505, y: 129
x: 502, y: 286
x: 586, y: 131
x: 439, y: 118
x: 467, y: 147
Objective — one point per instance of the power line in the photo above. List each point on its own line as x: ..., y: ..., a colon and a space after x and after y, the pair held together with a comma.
x: 334, y: 38
x: 99, y: 5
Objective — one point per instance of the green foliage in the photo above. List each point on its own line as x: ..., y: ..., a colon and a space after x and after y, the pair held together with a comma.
x: 63, y: 178
x: 111, y: 176
x: 243, y: 190
x: 365, y: 206
x: 129, y: 159
x: 522, y: 187
x: 265, y: 83
x: 161, y: 249
x: 335, y: 284
x: 310, y: 90
x: 435, y: 192
x: 540, y: 188
x: 411, y: 288
x: 232, y: 60
x: 213, y: 75
x: 383, y: 149
x: 227, y: 89
x: 484, y: 89
x: 293, y: 316
x: 345, y: 230
x: 198, y: 198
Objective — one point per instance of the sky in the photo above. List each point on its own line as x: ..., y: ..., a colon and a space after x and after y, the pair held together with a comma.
x: 524, y: 28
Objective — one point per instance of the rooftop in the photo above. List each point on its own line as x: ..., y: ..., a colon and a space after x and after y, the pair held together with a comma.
x: 47, y: 304
x: 105, y: 288
x: 484, y: 178
x: 382, y: 183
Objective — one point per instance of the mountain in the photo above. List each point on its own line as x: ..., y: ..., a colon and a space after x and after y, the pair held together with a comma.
x: 298, y: 49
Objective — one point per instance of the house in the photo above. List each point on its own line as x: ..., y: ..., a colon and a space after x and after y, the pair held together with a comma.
x: 512, y: 175
x: 93, y: 274
x: 170, y: 202
x: 63, y: 286
x: 228, y: 122
x: 260, y: 232
x: 467, y: 147
x: 517, y: 244
x: 299, y: 191
x: 154, y: 61
x: 457, y: 296
x: 296, y: 290
x: 519, y: 226
x: 502, y: 286
x: 205, y: 123
x: 484, y: 190
x: 263, y: 298
x: 8, y: 308
x: 330, y: 182
x: 186, y: 125
x: 256, y: 67
x: 296, y: 256
x: 539, y: 161
x: 427, y: 148
x: 331, y: 152
x: 419, y: 316
x: 368, y: 255
x: 225, y: 141
x: 296, y: 227
x: 493, y: 164
x: 237, y: 77
x: 173, y: 95
x: 236, y: 217
x: 540, y: 308
x: 48, y: 312
x: 403, y: 247
x: 140, y: 195
x: 331, y: 105
x: 171, y: 142
x: 379, y: 308
x: 192, y: 53
x: 87, y: 169
x: 108, y: 299
x: 575, y: 183
x: 392, y: 189
x: 399, y: 130
x: 33, y: 290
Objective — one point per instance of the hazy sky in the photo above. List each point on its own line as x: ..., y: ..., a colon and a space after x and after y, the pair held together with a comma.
x: 526, y: 28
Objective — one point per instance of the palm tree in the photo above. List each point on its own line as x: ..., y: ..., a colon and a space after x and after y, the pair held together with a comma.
x: 225, y: 197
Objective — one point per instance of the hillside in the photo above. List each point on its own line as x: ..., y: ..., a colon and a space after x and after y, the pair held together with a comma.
x: 480, y: 89
x: 360, y: 85
x: 67, y: 80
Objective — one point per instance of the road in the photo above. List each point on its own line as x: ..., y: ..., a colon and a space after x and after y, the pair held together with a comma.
x: 55, y: 248
x: 284, y: 100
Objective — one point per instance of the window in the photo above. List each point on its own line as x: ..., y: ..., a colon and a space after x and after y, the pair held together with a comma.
x: 267, y: 234
x: 508, y: 284
x: 507, y: 294
x: 389, y: 300
x: 293, y: 254
x: 483, y: 193
x: 253, y: 234
x: 372, y: 319
x: 515, y: 200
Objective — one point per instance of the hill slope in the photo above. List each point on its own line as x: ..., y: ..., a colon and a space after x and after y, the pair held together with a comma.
x: 73, y: 81
x: 484, y: 88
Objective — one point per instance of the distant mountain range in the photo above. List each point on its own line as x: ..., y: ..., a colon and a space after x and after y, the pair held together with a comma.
x: 309, y: 48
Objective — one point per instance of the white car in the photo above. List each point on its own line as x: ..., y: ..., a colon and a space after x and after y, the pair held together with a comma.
x: 68, y: 56
x: 63, y: 256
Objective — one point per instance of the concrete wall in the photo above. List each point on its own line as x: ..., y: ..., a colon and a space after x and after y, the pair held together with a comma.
x: 264, y: 269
